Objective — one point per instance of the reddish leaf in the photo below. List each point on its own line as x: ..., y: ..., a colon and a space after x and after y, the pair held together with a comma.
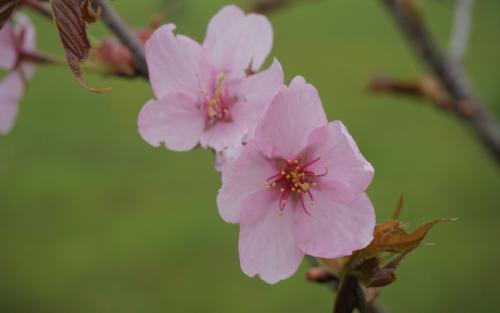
x: 73, y: 35
x: 391, y: 237
x: 6, y: 9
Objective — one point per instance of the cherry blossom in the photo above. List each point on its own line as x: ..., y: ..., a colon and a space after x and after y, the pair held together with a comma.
x: 298, y: 187
x: 17, y: 42
x: 212, y: 94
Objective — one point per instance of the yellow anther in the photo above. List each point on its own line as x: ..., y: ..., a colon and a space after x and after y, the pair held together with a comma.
x: 283, y: 173
x: 293, y: 189
x: 287, y: 176
x: 305, y: 186
x: 289, y: 161
x: 296, y: 161
x: 299, y: 191
x: 273, y: 184
x: 282, y: 189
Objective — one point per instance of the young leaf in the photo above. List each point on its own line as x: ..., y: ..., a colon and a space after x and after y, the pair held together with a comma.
x: 6, y: 9
x: 90, y: 15
x: 73, y: 35
x: 391, y: 237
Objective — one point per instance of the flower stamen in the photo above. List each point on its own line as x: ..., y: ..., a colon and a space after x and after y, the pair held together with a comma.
x: 294, y: 178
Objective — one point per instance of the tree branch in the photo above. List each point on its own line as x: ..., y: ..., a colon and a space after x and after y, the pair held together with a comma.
x: 39, y: 7
x: 350, y: 296
x: 447, y: 72
x: 461, y: 30
x: 125, y: 34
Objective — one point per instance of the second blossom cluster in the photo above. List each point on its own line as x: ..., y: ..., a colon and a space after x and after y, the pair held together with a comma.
x: 293, y: 181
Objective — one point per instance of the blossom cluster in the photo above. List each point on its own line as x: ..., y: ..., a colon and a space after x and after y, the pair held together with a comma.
x: 293, y: 181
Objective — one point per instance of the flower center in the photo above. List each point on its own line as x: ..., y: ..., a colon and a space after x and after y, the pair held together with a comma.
x: 217, y: 106
x: 294, y: 179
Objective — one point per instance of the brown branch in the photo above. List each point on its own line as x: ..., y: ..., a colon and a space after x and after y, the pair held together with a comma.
x: 42, y: 8
x: 125, y: 34
x: 449, y: 74
x: 271, y: 6
x: 426, y: 88
x: 350, y: 295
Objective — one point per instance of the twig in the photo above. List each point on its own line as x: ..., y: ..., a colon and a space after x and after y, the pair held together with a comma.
x: 448, y: 73
x: 426, y: 88
x: 270, y: 6
x: 125, y: 34
x: 350, y: 296
x: 461, y: 30
x: 40, y: 7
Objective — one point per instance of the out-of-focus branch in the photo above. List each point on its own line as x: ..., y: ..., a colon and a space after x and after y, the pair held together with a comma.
x: 270, y: 6
x: 42, y: 8
x: 125, y: 34
x: 461, y: 30
x: 426, y: 88
x: 448, y: 73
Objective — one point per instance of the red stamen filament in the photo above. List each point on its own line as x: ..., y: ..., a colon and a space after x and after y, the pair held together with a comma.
x: 294, y: 179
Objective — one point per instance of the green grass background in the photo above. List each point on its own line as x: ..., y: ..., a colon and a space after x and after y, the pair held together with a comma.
x: 94, y: 220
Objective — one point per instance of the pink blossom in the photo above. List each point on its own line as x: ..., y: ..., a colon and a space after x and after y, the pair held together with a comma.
x: 297, y: 188
x: 15, y: 42
x: 204, y: 93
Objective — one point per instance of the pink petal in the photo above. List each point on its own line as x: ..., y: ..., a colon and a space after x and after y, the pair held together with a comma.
x: 222, y: 135
x: 235, y: 40
x: 335, y: 229
x: 176, y: 64
x: 242, y: 177
x: 226, y: 156
x: 293, y: 114
x: 349, y: 173
x: 267, y: 246
x: 175, y: 119
x: 255, y: 94
x: 8, y: 50
x: 11, y: 90
x: 25, y: 26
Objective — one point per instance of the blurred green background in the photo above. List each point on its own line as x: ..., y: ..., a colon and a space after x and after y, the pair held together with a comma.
x: 94, y: 220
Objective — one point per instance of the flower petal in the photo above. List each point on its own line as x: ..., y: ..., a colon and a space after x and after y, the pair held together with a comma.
x: 235, y: 40
x: 176, y: 64
x: 225, y: 157
x: 349, y: 173
x: 267, y: 246
x: 223, y: 135
x: 285, y: 127
x: 25, y: 26
x: 7, y: 47
x: 335, y: 229
x: 241, y: 178
x: 175, y: 119
x: 11, y: 90
x: 254, y: 95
